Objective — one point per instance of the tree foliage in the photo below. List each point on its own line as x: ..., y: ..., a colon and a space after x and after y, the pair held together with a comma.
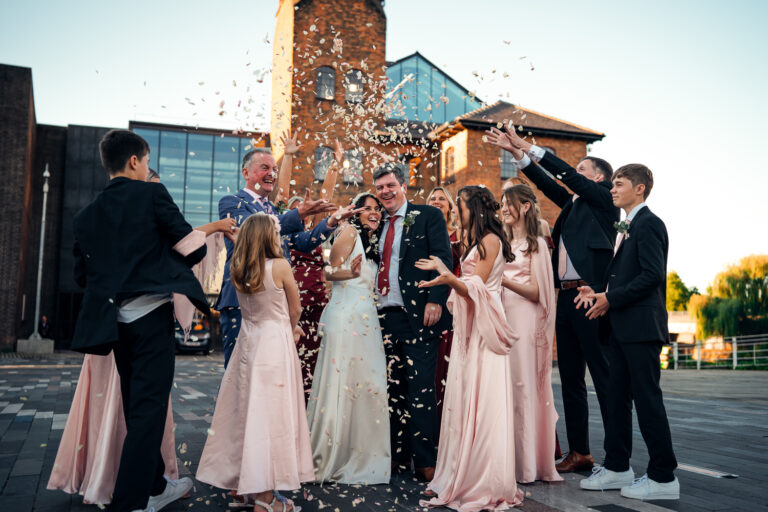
x: 737, y: 302
x: 677, y: 293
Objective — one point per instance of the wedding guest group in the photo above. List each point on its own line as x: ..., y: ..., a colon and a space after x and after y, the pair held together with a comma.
x: 375, y: 338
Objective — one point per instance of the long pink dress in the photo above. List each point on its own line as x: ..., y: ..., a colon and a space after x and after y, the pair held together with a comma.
x: 476, y: 460
x: 259, y: 437
x: 531, y: 364
x: 89, y: 452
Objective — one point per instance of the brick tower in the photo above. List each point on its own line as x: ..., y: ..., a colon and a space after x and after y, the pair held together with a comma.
x: 328, y: 82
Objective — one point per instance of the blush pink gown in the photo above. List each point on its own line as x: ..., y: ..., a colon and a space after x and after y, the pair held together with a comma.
x: 531, y: 365
x: 89, y: 452
x: 259, y: 437
x: 476, y: 459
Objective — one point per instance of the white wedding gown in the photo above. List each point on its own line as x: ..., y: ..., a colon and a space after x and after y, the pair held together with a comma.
x: 348, y: 409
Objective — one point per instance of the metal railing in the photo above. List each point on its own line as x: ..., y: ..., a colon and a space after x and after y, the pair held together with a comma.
x: 732, y: 352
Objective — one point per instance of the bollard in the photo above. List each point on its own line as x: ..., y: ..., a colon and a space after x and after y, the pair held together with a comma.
x: 675, y: 353
x: 698, y: 354
x: 734, y: 348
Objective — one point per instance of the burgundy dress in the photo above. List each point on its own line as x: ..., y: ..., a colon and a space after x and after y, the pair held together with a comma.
x: 445, y: 344
x: 308, y: 272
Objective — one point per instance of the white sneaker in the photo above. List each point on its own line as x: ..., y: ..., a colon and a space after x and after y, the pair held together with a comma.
x: 174, y: 490
x: 603, y: 479
x: 646, y: 489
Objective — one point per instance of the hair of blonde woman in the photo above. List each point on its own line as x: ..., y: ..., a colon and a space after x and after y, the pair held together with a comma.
x: 516, y: 196
x: 257, y: 240
x: 451, y: 220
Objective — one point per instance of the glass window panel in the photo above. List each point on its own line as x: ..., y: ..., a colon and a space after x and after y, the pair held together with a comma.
x: 353, y: 166
x: 171, y: 164
x: 197, y: 196
x: 353, y: 85
x: 226, y: 170
x: 508, y: 165
x: 407, y: 93
x: 153, y: 139
x: 325, y: 87
x: 323, y: 159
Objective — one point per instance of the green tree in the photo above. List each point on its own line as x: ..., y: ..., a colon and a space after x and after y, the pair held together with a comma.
x: 677, y: 293
x: 737, y: 301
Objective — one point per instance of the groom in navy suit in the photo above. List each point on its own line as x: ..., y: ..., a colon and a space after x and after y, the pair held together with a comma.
x: 260, y: 173
x: 412, y: 318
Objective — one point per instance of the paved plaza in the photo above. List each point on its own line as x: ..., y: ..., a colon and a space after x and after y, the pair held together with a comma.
x: 719, y: 421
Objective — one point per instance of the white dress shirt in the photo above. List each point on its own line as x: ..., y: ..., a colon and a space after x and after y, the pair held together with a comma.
x: 395, y: 296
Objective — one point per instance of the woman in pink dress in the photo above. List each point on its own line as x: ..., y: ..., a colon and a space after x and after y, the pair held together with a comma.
x: 259, y: 438
x: 529, y: 301
x: 89, y: 452
x: 476, y: 460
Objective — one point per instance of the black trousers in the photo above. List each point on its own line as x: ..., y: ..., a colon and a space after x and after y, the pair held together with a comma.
x: 634, y: 376
x: 578, y: 347
x: 145, y: 357
x: 412, y: 361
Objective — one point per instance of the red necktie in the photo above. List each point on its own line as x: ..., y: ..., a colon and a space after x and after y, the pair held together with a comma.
x: 386, y: 256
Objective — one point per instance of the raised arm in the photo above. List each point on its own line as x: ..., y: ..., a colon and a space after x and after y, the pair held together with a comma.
x: 595, y: 193
x: 340, y: 251
x: 291, y: 146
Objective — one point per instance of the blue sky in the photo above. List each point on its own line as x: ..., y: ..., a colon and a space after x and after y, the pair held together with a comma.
x: 675, y: 85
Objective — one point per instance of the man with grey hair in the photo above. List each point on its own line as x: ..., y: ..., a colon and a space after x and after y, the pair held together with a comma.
x: 260, y: 172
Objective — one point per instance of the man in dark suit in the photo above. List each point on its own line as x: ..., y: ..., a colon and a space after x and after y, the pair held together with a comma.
x: 634, y: 302
x: 411, y: 318
x: 583, y: 237
x: 260, y: 172
x: 124, y: 259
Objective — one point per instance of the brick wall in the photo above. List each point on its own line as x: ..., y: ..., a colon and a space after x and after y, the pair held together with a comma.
x: 17, y: 139
x: 344, y: 36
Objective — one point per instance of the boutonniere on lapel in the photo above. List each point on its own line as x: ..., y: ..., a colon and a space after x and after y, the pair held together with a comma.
x: 622, y: 227
x: 410, y: 219
x: 282, y: 207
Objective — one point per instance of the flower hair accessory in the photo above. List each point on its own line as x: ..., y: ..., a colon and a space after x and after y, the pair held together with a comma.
x: 276, y: 222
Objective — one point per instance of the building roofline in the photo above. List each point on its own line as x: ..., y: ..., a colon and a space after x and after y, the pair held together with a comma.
x: 435, y: 66
x: 196, y: 129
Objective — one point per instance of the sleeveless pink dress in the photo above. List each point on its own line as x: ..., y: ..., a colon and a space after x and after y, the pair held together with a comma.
x: 89, y: 452
x: 259, y: 437
x: 476, y: 459
x: 531, y: 365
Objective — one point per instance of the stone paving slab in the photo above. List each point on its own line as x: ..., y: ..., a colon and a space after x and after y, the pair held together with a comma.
x: 718, y: 421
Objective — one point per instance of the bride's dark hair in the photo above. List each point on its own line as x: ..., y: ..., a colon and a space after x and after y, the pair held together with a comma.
x: 370, y: 239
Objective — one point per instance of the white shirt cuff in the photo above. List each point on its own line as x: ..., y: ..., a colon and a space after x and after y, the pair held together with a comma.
x: 523, y: 162
x: 536, y: 153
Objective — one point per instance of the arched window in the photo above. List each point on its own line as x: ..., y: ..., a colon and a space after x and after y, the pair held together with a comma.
x: 353, y: 166
x: 325, y: 87
x: 323, y: 159
x: 353, y: 86
x: 508, y: 165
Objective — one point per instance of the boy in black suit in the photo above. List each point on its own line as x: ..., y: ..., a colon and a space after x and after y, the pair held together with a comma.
x: 634, y: 303
x: 124, y: 259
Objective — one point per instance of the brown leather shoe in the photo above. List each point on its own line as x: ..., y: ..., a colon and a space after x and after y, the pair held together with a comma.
x: 426, y: 473
x: 575, y: 461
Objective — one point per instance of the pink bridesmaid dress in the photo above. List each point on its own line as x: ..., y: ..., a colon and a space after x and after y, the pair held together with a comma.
x: 476, y: 459
x: 531, y: 364
x: 89, y: 452
x: 259, y: 437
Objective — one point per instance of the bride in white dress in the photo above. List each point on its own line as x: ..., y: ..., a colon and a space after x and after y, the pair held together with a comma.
x: 348, y: 410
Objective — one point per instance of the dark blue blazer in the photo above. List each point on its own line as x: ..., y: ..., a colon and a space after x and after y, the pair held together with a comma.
x: 123, y: 248
x: 242, y: 205
x: 637, y: 282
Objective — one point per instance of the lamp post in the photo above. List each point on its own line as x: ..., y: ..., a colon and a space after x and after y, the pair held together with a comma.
x: 36, y: 334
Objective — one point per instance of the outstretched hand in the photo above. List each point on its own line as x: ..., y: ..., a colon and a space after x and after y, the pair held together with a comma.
x: 498, y: 138
x: 343, y: 214
x: 312, y: 207
x: 436, y: 264
x: 600, y: 307
x: 290, y: 142
x: 583, y: 299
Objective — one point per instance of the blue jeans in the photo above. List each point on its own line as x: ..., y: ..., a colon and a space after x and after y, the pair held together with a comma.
x: 230, y: 328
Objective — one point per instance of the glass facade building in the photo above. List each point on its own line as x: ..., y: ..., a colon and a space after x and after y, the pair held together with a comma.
x: 197, y: 167
x: 429, y: 94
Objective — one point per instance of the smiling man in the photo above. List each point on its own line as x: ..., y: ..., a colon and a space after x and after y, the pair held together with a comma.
x: 260, y: 173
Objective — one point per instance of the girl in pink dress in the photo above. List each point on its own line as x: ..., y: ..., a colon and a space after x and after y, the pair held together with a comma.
x: 259, y: 438
x: 529, y: 301
x: 476, y: 460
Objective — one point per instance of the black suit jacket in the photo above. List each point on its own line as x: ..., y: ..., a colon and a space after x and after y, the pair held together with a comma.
x: 637, y: 282
x: 123, y: 248
x: 586, y: 225
x: 427, y: 236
